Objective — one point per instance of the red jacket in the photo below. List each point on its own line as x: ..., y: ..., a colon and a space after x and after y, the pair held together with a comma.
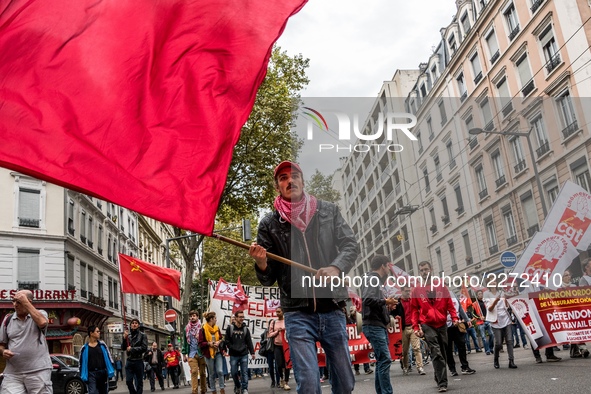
x: 431, y: 312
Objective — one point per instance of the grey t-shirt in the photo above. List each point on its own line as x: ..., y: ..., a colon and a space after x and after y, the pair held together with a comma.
x: 25, y: 338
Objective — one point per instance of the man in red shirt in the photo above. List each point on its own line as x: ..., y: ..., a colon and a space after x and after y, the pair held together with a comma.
x: 172, y: 358
x: 430, y: 305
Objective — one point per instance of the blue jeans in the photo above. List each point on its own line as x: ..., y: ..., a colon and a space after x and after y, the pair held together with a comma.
x: 134, y: 376
x: 242, y: 362
x: 215, y: 366
x: 378, y: 337
x: 303, y: 330
x: 514, y: 327
x: 98, y: 382
x: 471, y: 333
x: 483, y: 329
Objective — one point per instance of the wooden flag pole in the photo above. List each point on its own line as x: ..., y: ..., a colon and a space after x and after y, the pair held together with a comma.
x: 269, y: 255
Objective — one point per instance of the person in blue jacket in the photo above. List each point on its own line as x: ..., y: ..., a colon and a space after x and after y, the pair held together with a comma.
x: 96, y: 363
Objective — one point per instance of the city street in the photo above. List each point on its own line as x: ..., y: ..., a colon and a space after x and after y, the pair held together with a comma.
x: 568, y: 376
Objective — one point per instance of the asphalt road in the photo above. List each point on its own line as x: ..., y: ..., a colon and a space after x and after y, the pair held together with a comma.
x: 568, y: 376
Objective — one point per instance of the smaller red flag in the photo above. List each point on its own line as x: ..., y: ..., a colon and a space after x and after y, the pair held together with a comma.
x: 139, y: 277
x: 271, y: 306
x: 465, y: 299
x: 241, y: 300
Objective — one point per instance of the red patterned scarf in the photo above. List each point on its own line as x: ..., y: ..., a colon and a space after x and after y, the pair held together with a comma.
x: 299, y: 213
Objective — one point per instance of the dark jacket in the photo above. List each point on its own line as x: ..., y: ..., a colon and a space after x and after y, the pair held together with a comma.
x: 138, y: 342
x: 400, y: 311
x: 328, y: 240
x: 238, y: 341
x: 375, y: 311
x: 159, y: 358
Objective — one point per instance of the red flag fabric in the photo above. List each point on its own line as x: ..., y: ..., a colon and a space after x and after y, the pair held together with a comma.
x: 139, y: 277
x: 271, y: 306
x: 224, y: 291
x: 465, y: 299
x: 139, y: 103
x: 241, y: 301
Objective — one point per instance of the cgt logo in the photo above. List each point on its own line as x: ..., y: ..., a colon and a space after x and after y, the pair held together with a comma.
x: 392, y: 124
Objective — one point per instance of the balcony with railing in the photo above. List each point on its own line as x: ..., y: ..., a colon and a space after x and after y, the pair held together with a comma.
x: 514, y: 33
x: 535, y: 5
x: 543, y: 149
x: 512, y: 240
x: 527, y: 89
x: 478, y: 78
x: 28, y: 222
x: 445, y: 219
x: 507, y: 109
x: 473, y: 142
x: 532, y: 230
x: 460, y: 209
x: 483, y: 193
x: 452, y: 163
x: 501, y: 181
x: 433, y: 229
x: 495, y: 57
x: 490, y: 126
x: 464, y: 96
x: 553, y: 63
x: 493, y: 249
x: 570, y: 129
x: 520, y: 166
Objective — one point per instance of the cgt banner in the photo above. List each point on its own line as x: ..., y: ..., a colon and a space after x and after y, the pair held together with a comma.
x: 551, y: 317
x: 256, y: 320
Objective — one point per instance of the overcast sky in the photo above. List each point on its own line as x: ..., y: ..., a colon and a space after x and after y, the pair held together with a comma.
x: 354, y: 46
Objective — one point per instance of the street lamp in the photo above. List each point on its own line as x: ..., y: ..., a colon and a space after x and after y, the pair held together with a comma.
x: 476, y: 131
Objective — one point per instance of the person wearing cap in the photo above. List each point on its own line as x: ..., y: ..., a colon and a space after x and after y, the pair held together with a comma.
x: 172, y: 359
x: 311, y: 232
x: 135, y: 343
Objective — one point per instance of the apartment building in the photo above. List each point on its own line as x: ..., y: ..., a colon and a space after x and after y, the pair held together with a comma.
x: 519, y: 68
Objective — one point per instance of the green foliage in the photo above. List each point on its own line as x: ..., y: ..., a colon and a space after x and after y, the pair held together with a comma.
x: 321, y: 186
x: 266, y: 139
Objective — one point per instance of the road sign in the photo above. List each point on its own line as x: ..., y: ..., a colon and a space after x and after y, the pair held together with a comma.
x: 508, y: 259
x: 115, y: 328
x: 170, y: 315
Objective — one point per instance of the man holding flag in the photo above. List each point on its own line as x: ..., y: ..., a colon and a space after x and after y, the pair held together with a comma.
x: 311, y: 232
x: 135, y: 343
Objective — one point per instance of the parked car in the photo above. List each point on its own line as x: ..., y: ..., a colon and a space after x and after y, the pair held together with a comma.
x: 65, y: 376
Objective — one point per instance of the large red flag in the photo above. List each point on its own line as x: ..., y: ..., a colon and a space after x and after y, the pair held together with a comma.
x: 139, y: 277
x: 136, y: 102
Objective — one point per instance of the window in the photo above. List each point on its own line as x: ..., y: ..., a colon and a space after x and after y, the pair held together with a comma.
x: 452, y: 45
x: 551, y: 188
x: 100, y: 240
x: 109, y: 250
x: 110, y: 289
x: 530, y: 213
x: 445, y: 217
x: 581, y: 173
x: 549, y: 49
x: 29, y: 207
x: 541, y: 136
x: 70, y: 273
x: 450, y: 154
x: 486, y: 115
x: 434, y: 72
x: 442, y: 112
x: 90, y: 232
x: 567, y: 114
x: 430, y: 129
x: 423, y: 90
x: 525, y: 76
x: 473, y: 139
x: 426, y: 177
x: 420, y: 142
x: 482, y: 190
x: 100, y: 285
x: 90, y: 278
x: 504, y: 96
x: 115, y: 296
x: 462, y: 86
x: 476, y: 68
x: 493, y: 46
x: 439, y: 260
x: 433, y: 220
x: 512, y: 22
x: 438, y: 175
x: 518, y: 155
x: 83, y: 226
x: 28, y: 269
x: 452, y: 256
x: 491, y: 237
x: 498, y: 166
x: 71, y: 217
x: 83, y: 291
x: 467, y: 247
x: 510, y: 227
x: 465, y: 23
x: 459, y: 200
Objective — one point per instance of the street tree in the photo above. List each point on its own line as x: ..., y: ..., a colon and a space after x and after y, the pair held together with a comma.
x: 320, y: 185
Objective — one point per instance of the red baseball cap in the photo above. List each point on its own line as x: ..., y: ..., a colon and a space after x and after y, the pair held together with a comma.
x: 285, y: 164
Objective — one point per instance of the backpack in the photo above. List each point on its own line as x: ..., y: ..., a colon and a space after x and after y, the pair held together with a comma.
x: 267, y: 344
